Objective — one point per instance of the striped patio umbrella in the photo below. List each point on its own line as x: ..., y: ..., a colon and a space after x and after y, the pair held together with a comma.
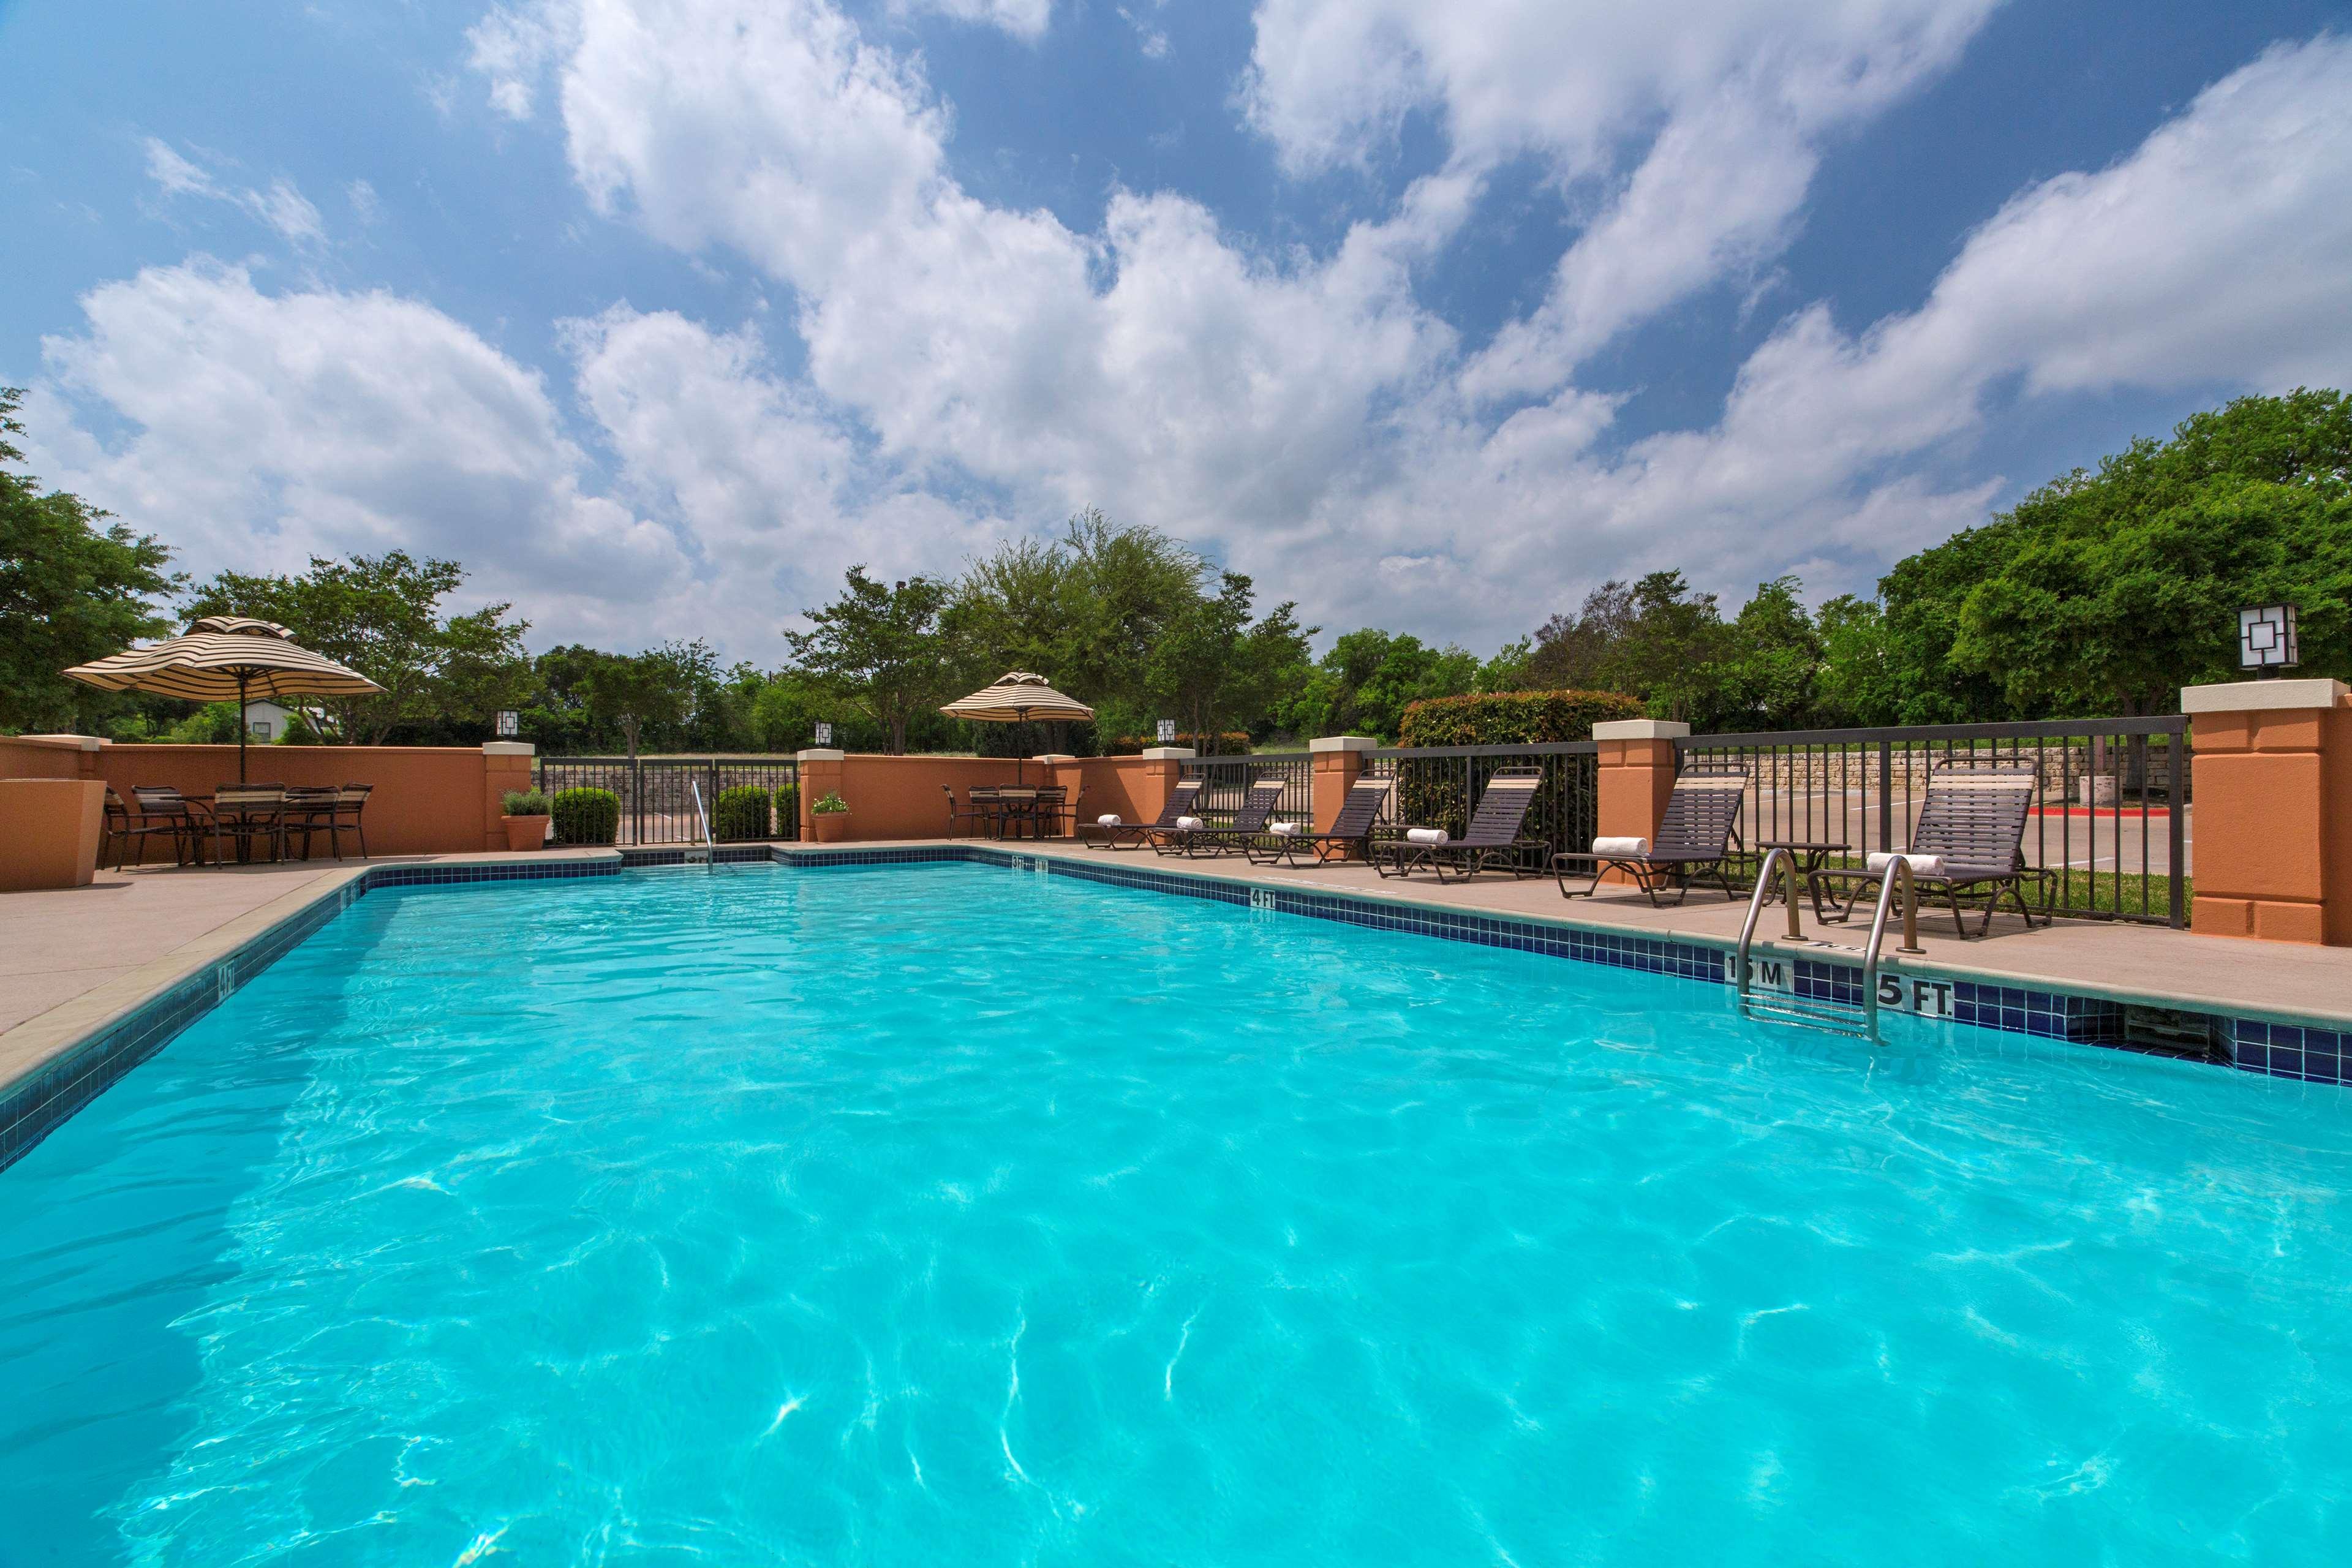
x: 1015, y: 699
x: 223, y: 656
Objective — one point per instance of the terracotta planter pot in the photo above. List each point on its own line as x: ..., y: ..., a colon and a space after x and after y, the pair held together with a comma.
x: 830, y: 826
x: 527, y: 832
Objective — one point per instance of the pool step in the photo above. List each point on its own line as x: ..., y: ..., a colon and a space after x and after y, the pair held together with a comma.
x: 1827, y: 1017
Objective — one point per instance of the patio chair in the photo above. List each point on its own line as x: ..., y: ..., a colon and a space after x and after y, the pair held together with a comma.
x: 980, y: 808
x: 127, y: 825
x: 1101, y: 834
x: 1693, y: 840
x: 333, y: 812
x: 247, y: 814
x: 1053, y: 805
x: 1250, y: 821
x: 1970, y: 842
x: 1351, y: 831
x: 1493, y: 837
x: 191, y: 819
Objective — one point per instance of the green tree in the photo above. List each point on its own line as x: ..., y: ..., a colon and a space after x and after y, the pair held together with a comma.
x: 2110, y: 590
x: 1364, y: 684
x: 879, y: 648
x: 382, y: 615
x: 1215, y: 667
x: 73, y: 588
x: 635, y: 691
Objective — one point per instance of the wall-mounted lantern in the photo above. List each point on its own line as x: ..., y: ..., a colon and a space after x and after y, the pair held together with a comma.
x: 2266, y: 640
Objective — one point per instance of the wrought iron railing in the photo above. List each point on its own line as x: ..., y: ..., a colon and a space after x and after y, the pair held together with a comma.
x: 656, y: 793
x: 1227, y: 782
x: 1439, y: 786
x: 2111, y: 824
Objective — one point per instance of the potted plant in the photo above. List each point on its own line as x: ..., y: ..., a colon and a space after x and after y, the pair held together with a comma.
x: 829, y: 817
x: 528, y: 814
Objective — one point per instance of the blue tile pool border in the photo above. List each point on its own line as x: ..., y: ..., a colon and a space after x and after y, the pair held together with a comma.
x: 35, y: 1105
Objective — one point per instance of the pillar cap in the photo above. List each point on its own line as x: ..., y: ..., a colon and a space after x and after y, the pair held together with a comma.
x: 75, y: 742
x: 819, y: 754
x: 2260, y: 696
x: 1639, y: 730
x: 1055, y: 757
x: 1170, y: 754
x: 508, y: 749
x: 1342, y: 744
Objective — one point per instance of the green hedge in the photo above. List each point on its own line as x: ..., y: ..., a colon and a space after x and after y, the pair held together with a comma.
x: 740, y: 814
x: 787, y: 811
x: 1512, y: 718
x: 587, y: 817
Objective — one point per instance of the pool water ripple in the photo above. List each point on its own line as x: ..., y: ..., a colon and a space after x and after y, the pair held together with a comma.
x: 944, y: 1215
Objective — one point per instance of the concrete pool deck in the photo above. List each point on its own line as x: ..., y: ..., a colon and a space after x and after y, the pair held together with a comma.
x: 74, y: 960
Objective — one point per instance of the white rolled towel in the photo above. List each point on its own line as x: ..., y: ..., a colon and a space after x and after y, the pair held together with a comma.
x: 1921, y: 865
x: 1109, y: 819
x: 1631, y: 848
x: 1285, y: 829
x: 1191, y: 824
x: 1436, y: 837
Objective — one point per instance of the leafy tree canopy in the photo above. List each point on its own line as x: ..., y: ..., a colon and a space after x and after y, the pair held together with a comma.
x: 73, y: 588
x: 383, y: 616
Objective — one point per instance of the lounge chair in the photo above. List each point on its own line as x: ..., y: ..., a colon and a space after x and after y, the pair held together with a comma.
x: 1493, y: 839
x: 1970, y: 841
x: 1693, y: 840
x: 1113, y: 835
x: 1351, y: 831
x: 1249, y: 822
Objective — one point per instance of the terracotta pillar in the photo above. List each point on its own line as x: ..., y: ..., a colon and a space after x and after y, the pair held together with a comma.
x: 820, y: 774
x: 50, y: 832
x: 506, y: 764
x: 1339, y: 762
x: 1162, y: 765
x: 2273, y: 787
x: 1636, y: 777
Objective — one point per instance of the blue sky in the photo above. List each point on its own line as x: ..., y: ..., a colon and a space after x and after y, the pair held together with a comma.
x: 660, y: 313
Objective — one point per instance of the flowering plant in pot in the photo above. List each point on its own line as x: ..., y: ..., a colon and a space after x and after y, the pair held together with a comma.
x: 829, y: 817
x: 527, y: 815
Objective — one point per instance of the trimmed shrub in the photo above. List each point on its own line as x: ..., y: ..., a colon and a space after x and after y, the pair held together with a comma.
x: 587, y: 815
x: 740, y: 814
x: 787, y: 811
x: 1442, y: 792
x: 1512, y: 718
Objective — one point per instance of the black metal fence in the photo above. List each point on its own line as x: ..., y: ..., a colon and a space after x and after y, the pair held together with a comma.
x: 1227, y: 782
x: 1439, y: 786
x: 656, y: 793
x: 2111, y: 824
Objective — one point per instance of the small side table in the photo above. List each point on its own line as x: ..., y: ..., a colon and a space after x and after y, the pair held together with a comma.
x: 1810, y: 855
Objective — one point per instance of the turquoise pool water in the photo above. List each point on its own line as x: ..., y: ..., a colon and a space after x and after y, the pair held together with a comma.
x: 948, y: 1215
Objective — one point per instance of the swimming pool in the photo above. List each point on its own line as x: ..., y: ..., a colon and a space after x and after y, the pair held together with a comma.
x: 950, y: 1214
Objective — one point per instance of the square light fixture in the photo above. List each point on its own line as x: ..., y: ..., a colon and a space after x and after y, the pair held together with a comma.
x: 2266, y: 640
x: 823, y: 733
x: 1167, y: 732
x: 510, y: 723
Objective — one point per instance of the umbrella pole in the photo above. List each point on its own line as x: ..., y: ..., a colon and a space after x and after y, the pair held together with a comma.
x: 1020, y: 763
x: 240, y: 726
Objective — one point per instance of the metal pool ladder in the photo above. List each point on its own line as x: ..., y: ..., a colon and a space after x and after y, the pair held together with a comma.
x: 1859, y: 1020
x: 701, y: 854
